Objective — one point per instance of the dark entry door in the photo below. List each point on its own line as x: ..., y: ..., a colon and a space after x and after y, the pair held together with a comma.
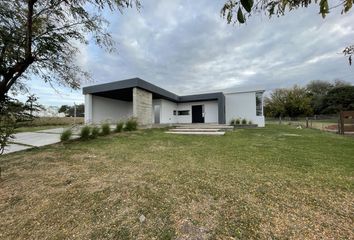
x: 197, y: 114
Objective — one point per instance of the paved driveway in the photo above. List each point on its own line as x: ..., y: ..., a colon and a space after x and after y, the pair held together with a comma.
x: 27, y: 140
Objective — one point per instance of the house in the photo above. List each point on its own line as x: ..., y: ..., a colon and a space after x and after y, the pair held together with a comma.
x: 150, y: 104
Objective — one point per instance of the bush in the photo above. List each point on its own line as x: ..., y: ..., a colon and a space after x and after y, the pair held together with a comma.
x: 85, y: 133
x: 244, y: 121
x: 119, y: 127
x: 250, y: 122
x: 65, y: 136
x: 131, y: 125
x: 105, y: 129
x: 95, y: 131
x: 237, y: 122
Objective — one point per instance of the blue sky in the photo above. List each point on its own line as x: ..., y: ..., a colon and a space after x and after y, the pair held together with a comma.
x: 186, y: 47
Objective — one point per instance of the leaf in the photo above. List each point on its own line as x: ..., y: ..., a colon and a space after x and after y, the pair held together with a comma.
x: 247, y: 4
x: 324, y: 8
x: 348, y: 4
x: 240, y: 16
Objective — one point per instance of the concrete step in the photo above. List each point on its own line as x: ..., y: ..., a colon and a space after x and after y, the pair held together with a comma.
x: 194, y: 130
x: 199, y: 133
x: 203, y: 126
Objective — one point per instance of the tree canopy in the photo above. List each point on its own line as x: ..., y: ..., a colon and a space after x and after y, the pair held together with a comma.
x: 237, y: 11
x: 41, y: 38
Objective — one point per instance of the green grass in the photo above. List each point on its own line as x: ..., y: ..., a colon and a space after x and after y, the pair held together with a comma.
x: 273, y: 183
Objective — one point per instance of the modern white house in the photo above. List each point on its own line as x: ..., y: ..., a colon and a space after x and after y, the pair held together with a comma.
x: 150, y: 104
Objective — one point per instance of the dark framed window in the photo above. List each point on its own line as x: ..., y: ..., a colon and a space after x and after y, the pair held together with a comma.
x: 183, y: 112
x: 259, y: 103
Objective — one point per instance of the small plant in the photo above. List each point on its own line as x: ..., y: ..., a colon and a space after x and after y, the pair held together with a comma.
x: 237, y: 121
x: 244, y: 121
x: 85, y: 133
x: 105, y: 129
x: 95, y: 131
x: 250, y: 122
x: 65, y: 136
x: 232, y: 122
x: 131, y: 125
x: 119, y: 127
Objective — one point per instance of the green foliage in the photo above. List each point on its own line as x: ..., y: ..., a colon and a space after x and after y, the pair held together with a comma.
x: 66, y: 135
x: 85, y: 133
x: 12, y: 112
x: 338, y: 99
x: 131, y: 125
x: 244, y: 121
x: 237, y: 121
x: 232, y: 11
x: 42, y: 37
x: 69, y: 111
x: 105, y: 129
x: 250, y: 122
x: 95, y: 131
x: 119, y: 127
x: 292, y: 102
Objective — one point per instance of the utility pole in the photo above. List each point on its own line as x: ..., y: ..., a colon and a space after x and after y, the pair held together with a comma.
x: 74, y: 113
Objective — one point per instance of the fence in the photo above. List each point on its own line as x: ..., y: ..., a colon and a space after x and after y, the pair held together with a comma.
x: 322, y: 122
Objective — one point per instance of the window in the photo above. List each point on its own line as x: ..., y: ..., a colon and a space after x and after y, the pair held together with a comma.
x: 174, y: 112
x: 183, y: 112
x: 259, y: 104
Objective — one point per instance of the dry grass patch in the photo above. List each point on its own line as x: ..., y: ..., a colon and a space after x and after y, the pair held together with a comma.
x: 249, y: 184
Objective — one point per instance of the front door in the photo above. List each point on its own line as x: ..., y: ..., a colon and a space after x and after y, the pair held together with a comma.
x: 197, y: 114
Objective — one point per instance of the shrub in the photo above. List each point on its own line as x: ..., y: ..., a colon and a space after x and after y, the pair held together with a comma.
x: 105, y: 129
x: 244, y: 121
x: 85, y: 133
x: 95, y: 131
x: 250, y: 122
x: 131, y: 125
x: 65, y: 136
x: 232, y: 122
x: 119, y: 127
x: 237, y: 122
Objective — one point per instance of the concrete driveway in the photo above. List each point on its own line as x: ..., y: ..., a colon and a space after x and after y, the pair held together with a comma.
x: 27, y: 140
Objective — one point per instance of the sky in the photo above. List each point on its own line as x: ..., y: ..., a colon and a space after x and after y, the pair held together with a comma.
x: 186, y: 47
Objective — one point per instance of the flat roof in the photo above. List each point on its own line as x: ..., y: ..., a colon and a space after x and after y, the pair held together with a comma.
x: 123, y: 88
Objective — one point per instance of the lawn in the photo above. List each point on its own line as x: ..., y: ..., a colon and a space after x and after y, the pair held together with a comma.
x: 273, y: 183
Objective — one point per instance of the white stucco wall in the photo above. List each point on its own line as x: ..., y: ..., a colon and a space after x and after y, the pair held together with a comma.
x: 210, y: 111
x: 242, y: 105
x: 110, y: 110
x: 166, y: 111
x: 88, y: 108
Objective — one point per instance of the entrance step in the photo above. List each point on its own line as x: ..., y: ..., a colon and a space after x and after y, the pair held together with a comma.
x: 204, y: 126
x: 194, y: 130
x: 198, y: 133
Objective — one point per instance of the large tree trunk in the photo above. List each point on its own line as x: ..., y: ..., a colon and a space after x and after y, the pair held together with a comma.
x: 13, y: 73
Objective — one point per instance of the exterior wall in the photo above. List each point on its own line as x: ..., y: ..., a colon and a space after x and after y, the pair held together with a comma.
x: 88, y: 108
x: 109, y: 110
x: 166, y: 112
x: 142, y: 106
x: 242, y: 105
x: 167, y: 108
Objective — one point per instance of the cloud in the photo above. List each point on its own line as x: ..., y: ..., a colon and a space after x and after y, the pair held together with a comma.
x: 186, y: 47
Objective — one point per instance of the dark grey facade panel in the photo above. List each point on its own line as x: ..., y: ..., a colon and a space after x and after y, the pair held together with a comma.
x: 107, y: 89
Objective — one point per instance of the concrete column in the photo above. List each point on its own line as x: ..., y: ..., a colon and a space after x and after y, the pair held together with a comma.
x: 88, y: 108
x: 142, y: 106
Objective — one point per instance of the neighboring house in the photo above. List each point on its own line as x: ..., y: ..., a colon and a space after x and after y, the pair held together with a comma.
x: 115, y: 101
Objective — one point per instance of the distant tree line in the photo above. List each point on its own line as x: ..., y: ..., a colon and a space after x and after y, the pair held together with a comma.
x: 317, y: 97
x: 69, y: 111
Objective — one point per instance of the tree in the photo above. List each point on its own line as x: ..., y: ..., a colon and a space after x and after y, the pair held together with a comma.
x: 70, y: 110
x: 338, y: 99
x: 292, y: 103
x: 40, y: 38
x: 239, y: 10
x: 318, y: 89
x: 33, y: 105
